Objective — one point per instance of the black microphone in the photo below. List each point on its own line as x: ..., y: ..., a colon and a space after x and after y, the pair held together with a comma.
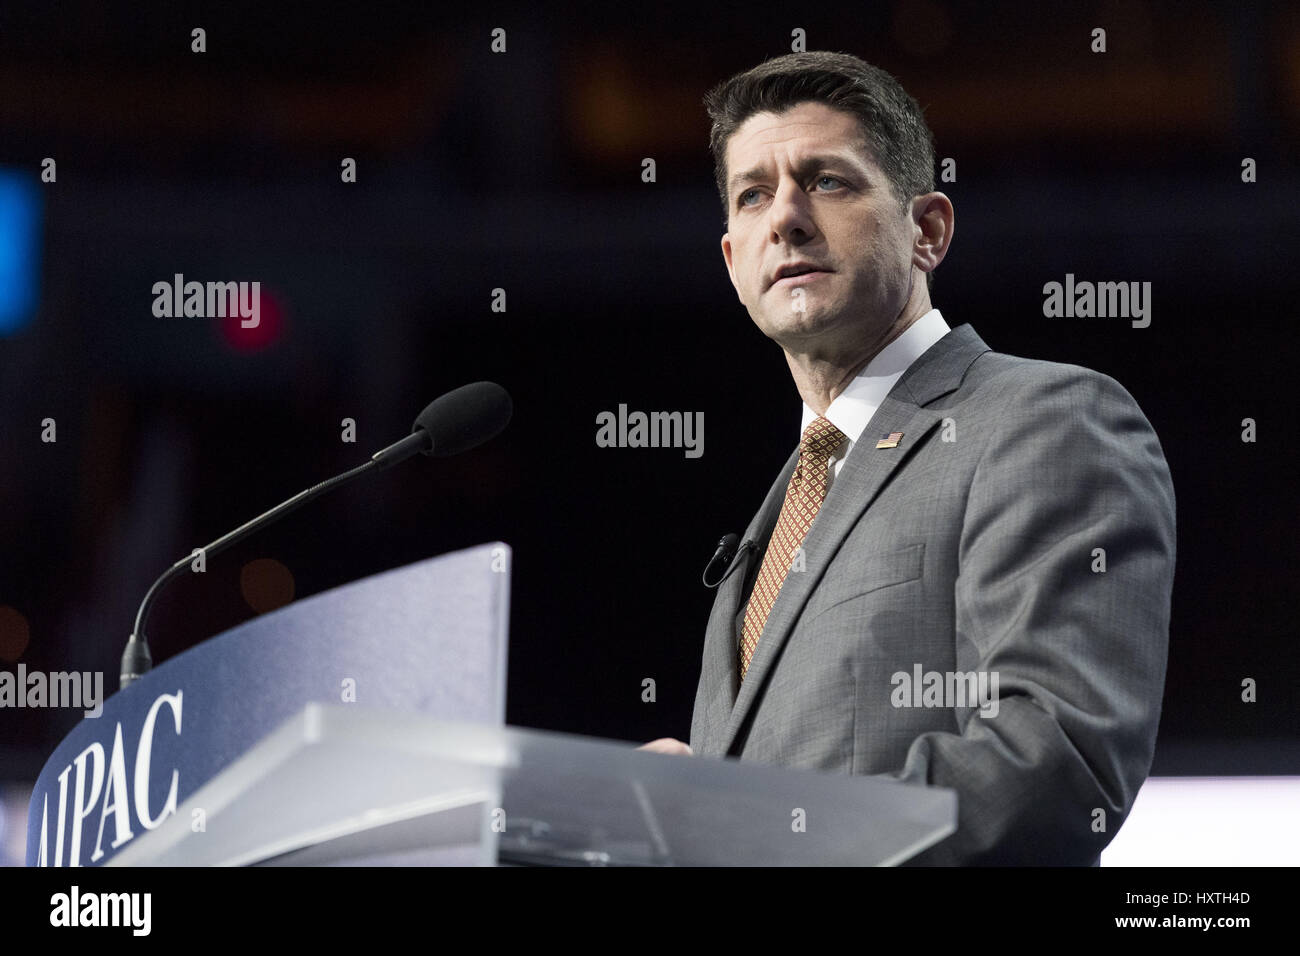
x: 458, y: 421
x: 725, y: 556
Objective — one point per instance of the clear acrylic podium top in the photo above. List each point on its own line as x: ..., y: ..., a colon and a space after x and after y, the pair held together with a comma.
x: 343, y: 785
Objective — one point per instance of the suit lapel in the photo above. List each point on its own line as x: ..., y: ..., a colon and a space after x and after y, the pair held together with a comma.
x: 938, y: 371
x: 721, y: 677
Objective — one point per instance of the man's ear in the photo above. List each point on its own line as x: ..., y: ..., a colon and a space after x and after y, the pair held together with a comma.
x: 726, y: 255
x: 932, y: 215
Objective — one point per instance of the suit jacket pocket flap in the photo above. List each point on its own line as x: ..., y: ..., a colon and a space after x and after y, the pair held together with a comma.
x: 846, y: 580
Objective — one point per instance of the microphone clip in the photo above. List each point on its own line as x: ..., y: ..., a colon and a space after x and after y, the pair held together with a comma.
x: 727, y: 556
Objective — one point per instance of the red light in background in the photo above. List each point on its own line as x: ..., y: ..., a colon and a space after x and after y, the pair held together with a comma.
x: 266, y: 584
x: 14, y: 636
x: 270, y: 328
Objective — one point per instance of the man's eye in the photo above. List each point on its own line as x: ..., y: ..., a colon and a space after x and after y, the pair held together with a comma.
x: 746, y: 193
x: 822, y: 179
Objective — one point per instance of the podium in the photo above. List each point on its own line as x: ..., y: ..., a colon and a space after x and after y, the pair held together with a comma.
x: 365, y: 726
x: 341, y: 785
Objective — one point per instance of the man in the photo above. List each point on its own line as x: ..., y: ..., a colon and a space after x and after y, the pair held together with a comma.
x: 962, y: 576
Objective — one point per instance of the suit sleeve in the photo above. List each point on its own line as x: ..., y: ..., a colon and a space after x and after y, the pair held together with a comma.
x: 1072, y: 476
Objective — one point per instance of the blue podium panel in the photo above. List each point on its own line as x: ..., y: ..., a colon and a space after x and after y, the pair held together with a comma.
x: 429, y: 638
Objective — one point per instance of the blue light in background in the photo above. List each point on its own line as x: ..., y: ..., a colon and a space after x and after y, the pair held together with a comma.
x: 20, y: 249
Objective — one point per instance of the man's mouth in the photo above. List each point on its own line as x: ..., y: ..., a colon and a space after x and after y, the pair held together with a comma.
x: 797, y: 274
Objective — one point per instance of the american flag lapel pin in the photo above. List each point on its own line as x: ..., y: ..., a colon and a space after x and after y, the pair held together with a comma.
x: 890, y: 441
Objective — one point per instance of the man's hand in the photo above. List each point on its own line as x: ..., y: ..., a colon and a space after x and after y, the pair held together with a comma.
x: 667, y: 745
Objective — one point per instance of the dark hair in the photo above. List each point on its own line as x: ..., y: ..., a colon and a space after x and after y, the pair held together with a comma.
x: 894, y: 127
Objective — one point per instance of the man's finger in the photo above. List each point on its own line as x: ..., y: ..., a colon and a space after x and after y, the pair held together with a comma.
x: 667, y: 745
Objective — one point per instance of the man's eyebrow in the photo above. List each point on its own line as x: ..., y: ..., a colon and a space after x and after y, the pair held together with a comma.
x: 805, y: 165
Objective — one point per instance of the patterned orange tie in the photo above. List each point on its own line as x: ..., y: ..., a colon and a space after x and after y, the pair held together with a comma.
x: 803, y: 497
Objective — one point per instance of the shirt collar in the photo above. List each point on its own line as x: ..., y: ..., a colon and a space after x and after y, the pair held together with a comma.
x: 853, y: 408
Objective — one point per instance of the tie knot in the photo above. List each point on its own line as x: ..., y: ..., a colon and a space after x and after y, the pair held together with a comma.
x: 820, y: 439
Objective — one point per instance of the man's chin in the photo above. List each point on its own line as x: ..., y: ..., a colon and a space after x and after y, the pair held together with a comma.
x: 797, y: 328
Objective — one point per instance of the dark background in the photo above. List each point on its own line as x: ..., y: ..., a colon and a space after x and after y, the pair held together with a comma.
x: 522, y: 171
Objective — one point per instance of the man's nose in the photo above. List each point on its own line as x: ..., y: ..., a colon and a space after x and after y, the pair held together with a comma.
x: 790, y: 215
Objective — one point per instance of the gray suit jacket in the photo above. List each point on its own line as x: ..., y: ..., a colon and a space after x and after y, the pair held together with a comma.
x: 972, y: 547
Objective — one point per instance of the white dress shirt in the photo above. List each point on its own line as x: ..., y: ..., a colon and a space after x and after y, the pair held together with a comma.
x: 852, y: 409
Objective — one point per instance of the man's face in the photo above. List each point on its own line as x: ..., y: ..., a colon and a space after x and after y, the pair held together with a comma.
x: 804, y: 189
